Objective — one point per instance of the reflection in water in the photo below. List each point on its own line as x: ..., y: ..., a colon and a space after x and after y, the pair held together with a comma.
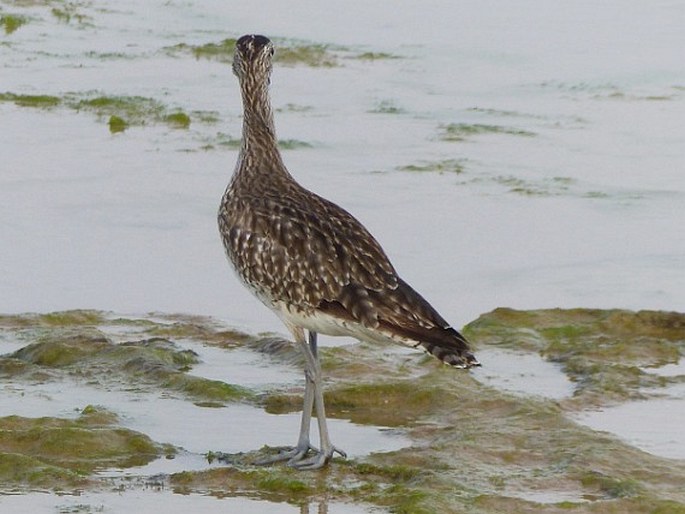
x: 320, y: 508
x: 153, y: 500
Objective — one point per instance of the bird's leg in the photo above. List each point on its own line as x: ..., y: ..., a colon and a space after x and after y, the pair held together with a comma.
x: 303, y: 444
x: 313, y: 370
x: 297, y: 453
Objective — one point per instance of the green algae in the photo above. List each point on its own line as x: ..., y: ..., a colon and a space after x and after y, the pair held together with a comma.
x: 161, y: 362
x: 475, y: 448
x: 314, y: 55
x: 276, y: 484
x: 57, y: 452
x: 192, y: 327
x: 79, y: 318
x: 462, y: 131
x: 387, y: 107
x: 205, y: 389
x: 89, y: 353
x: 288, y: 53
x: 606, y: 353
x: 135, y: 110
x: 230, y: 142
x: 444, y: 166
x: 548, y: 187
x: 611, y: 487
x: 554, y: 186
x: 11, y: 22
x: 120, y: 112
x: 70, y: 12
x: 208, y: 117
x: 474, y: 443
x: 293, y: 144
x: 178, y: 120
x: 117, y: 124
x: 347, y: 481
x: 386, y: 404
x: 222, y: 140
x: 154, y: 353
x: 290, y: 107
x: 63, y: 350
x: 36, y: 101
x: 397, y: 473
x: 376, y: 56
x: 501, y: 112
x: 221, y: 51
x: 17, y: 469
x: 74, y: 317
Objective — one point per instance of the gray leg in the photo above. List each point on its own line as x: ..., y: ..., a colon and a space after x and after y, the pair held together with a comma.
x: 303, y: 439
x: 313, y: 370
x: 293, y: 455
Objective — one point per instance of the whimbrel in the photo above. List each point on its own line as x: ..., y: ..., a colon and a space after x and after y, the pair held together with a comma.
x: 311, y: 261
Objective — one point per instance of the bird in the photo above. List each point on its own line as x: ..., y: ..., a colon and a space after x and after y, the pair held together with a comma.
x: 311, y: 262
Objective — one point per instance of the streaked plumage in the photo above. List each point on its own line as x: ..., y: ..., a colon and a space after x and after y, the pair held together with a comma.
x: 308, y: 259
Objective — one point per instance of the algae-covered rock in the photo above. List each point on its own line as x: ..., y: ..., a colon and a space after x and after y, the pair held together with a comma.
x: 80, y: 318
x: 64, y: 349
x: 59, y: 452
x: 17, y: 469
x: 87, y: 352
x: 387, y: 404
x: 479, y: 449
x: 278, y: 484
x: 607, y: 353
x: 475, y: 448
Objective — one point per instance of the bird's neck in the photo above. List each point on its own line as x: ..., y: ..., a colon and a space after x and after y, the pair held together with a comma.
x: 259, y: 132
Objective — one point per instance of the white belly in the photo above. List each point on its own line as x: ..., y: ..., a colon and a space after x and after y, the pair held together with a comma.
x: 332, y: 326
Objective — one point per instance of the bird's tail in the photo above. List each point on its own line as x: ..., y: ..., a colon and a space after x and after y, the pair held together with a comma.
x: 456, y: 353
x: 400, y: 315
x: 410, y: 318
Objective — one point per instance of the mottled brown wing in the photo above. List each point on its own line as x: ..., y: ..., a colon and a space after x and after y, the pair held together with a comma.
x: 321, y: 259
x: 303, y: 256
x: 405, y: 316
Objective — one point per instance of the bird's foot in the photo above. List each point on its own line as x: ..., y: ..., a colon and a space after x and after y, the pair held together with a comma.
x: 291, y: 454
x: 318, y: 460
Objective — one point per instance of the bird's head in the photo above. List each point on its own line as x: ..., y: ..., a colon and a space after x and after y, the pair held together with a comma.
x: 253, y: 55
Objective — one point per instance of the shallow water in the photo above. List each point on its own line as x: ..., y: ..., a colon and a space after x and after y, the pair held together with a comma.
x: 586, y: 212
x: 128, y: 219
x: 152, y: 501
x: 523, y: 373
x: 654, y: 425
x: 194, y: 428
